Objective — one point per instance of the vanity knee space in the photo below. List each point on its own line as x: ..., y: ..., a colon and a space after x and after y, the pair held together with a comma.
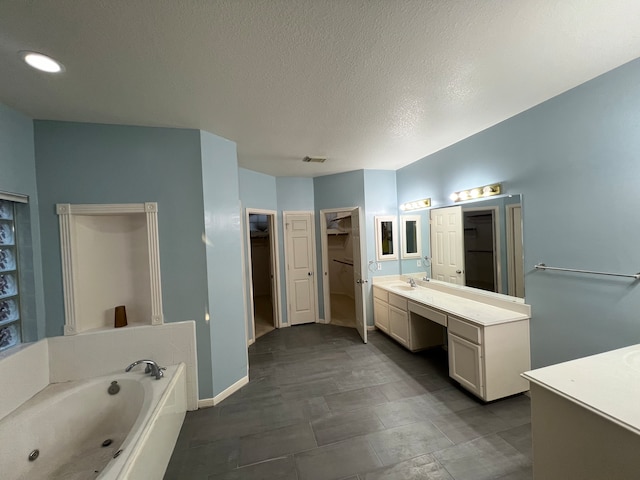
x: 485, y: 357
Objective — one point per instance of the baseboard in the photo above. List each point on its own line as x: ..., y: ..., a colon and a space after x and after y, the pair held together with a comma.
x: 371, y: 328
x: 205, y: 403
x: 322, y: 320
x: 231, y: 390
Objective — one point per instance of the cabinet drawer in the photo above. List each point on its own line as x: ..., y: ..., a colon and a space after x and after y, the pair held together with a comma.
x: 381, y: 294
x: 398, y: 301
x: 465, y: 330
x: 428, y: 313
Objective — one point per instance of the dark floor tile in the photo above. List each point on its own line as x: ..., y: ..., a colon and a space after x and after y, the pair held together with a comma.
x: 452, y: 399
x: 425, y: 467
x: 334, y: 428
x: 519, y: 438
x: 355, y: 399
x: 516, y: 410
x: 282, y: 468
x: 484, y: 458
x: 364, y: 403
x: 276, y: 443
x: 402, y: 412
x: 402, y: 389
x: 337, y: 461
x: 468, y: 424
x: 200, y: 462
x: 408, y: 441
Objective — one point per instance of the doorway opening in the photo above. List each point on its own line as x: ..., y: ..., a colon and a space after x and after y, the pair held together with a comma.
x: 263, y: 261
x: 481, y: 253
x: 339, y: 275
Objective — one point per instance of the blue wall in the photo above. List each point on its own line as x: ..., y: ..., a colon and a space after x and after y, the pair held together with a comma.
x: 575, y: 160
x: 89, y: 163
x: 18, y: 167
x: 381, y: 199
x: 224, y: 261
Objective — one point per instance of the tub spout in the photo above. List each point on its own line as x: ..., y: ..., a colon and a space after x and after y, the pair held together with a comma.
x: 151, y: 367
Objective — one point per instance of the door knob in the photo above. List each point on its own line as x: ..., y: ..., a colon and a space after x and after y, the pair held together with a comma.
x: 458, y: 271
x: 310, y: 273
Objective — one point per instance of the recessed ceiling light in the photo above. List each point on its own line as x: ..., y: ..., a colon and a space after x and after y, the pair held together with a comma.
x: 42, y: 62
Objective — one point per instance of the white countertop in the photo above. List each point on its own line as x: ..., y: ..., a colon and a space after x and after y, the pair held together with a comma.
x: 607, y: 384
x: 475, y: 311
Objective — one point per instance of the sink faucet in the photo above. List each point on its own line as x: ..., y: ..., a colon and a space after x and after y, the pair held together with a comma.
x: 412, y: 282
x: 151, y: 367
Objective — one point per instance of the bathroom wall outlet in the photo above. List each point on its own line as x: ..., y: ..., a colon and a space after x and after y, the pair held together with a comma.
x: 379, y: 266
x: 419, y: 263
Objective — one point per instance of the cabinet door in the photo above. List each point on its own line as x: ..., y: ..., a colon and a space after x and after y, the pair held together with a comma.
x: 381, y: 315
x: 465, y: 364
x: 399, y: 325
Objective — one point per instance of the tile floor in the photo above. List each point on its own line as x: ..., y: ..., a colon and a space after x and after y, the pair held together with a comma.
x: 321, y: 405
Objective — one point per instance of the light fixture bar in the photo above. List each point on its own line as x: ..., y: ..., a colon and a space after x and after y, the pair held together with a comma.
x: 416, y: 205
x: 478, y: 192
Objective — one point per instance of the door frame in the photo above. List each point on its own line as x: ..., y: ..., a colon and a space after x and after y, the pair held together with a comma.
x: 287, y: 255
x: 324, y: 244
x: 513, y: 246
x: 275, y: 266
x: 497, y: 256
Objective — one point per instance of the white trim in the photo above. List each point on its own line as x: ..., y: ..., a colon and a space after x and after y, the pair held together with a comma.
x: 205, y: 403
x: 227, y: 392
x: 66, y: 219
x: 14, y: 197
x: 371, y: 328
x: 379, y: 220
x: 403, y: 236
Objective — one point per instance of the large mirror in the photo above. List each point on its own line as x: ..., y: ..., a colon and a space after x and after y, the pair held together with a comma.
x: 477, y: 244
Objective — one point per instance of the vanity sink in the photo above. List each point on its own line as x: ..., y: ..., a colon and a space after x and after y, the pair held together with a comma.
x: 404, y: 288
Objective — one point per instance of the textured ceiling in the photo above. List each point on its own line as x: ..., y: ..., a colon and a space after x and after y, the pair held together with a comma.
x: 367, y: 84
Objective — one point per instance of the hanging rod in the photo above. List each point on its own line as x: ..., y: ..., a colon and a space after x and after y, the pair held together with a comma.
x: 342, y: 261
x: 542, y: 266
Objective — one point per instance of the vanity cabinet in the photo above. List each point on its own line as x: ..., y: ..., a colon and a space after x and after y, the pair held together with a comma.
x: 381, y: 309
x: 399, y: 319
x: 488, y: 360
x: 488, y: 347
x: 466, y: 355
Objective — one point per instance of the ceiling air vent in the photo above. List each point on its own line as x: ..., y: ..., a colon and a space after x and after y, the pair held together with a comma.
x: 314, y: 159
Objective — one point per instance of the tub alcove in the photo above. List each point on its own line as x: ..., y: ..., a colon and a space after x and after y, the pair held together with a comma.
x: 110, y: 256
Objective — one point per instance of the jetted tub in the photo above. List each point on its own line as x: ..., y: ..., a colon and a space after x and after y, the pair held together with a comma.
x: 68, y: 423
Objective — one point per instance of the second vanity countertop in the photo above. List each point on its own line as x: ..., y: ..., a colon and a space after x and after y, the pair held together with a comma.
x: 608, y: 384
x: 475, y: 311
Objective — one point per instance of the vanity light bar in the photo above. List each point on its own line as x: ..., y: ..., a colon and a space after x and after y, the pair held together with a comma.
x: 478, y: 192
x: 416, y: 204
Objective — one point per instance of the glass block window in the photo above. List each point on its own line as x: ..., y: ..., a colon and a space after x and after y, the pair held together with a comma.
x: 10, y: 333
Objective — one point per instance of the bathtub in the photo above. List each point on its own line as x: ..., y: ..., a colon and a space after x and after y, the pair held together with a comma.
x: 68, y: 423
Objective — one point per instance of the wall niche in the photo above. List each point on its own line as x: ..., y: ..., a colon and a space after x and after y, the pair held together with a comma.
x: 110, y: 257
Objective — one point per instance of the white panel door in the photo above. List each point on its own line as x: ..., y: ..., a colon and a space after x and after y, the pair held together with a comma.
x: 300, y: 267
x: 359, y: 275
x: 447, y: 245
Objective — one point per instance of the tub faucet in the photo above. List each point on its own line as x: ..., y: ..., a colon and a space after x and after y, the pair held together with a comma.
x: 151, y: 367
x: 412, y: 282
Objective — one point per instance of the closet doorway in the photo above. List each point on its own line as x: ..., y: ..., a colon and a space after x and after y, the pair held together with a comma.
x: 264, y: 286
x: 481, y: 248
x: 343, y: 279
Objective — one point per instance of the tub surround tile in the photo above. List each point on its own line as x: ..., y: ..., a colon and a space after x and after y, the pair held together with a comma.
x: 92, y: 354
x: 23, y: 373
